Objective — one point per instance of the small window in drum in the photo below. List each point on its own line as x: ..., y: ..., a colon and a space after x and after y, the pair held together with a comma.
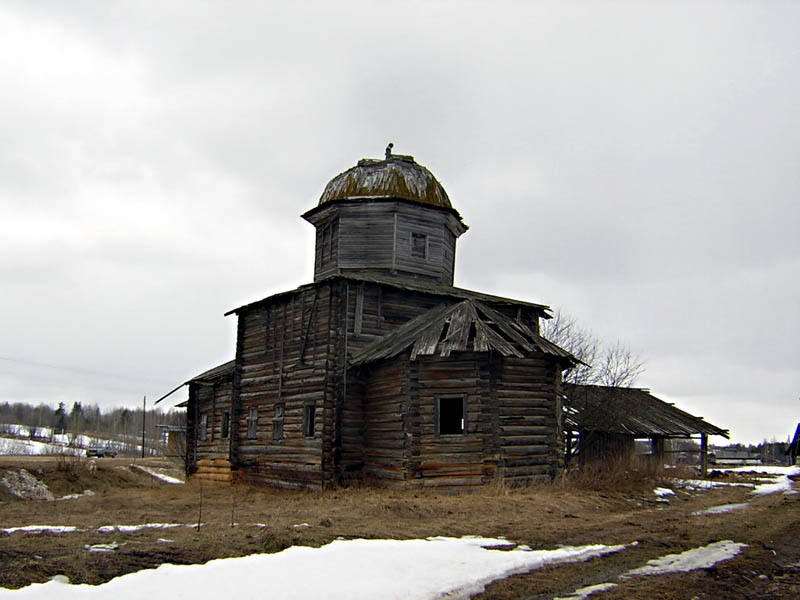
x: 419, y: 245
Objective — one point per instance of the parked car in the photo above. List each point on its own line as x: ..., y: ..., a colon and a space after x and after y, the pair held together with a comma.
x: 101, y: 451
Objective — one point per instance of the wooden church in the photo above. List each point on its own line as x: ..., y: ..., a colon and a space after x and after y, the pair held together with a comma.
x: 381, y: 371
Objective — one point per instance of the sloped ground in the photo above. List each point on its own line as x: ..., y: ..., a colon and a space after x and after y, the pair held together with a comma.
x: 244, y: 520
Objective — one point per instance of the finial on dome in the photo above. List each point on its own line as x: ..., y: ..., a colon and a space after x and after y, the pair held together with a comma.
x: 389, y: 150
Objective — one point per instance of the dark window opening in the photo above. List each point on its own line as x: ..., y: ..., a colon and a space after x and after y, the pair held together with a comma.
x: 328, y: 240
x: 419, y: 245
x: 452, y: 415
x: 309, y: 417
x: 252, y: 423
x: 203, y: 430
x: 226, y: 423
x: 277, y: 422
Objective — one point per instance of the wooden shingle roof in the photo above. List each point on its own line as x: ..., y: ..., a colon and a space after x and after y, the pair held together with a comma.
x: 443, y: 291
x: 466, y: 326
x: 629, y: 411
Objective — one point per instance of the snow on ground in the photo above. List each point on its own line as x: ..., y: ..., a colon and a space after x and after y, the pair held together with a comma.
x: 32, y: 447
x: 103, y: 529
x: 587, y: 591
x: 721, y: 508
x: 387, y: 569
x: 778, y: 482
x: 41, y: 529
x: 771, y: 470
x: 157, y: 474
x: 662, y: 492
x: 696, y: 558
x: 102, y: 547
x: 706, y: 484
x: 130, y: 528
x: 76, y: 496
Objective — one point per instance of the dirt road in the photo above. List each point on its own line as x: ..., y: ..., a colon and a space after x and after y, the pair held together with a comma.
x: 243, y: 520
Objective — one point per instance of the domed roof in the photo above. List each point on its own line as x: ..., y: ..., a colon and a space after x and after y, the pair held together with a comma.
x: 396, y: 177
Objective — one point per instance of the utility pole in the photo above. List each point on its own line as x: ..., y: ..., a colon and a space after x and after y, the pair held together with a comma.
x: 144, y: 416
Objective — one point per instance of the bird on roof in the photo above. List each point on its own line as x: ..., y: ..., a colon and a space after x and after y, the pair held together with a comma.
x: 389, y: 150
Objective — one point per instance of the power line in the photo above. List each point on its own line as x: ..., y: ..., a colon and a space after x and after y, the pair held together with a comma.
x: 89, y: 372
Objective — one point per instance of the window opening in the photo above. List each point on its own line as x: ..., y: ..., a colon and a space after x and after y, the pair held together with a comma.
x: 419, y: 245
x: 226, y: 423
x: 309, y: 416
x: 252, y: 423
x: 203, y: 427
x: 452, y: 415
x: 277, y: 422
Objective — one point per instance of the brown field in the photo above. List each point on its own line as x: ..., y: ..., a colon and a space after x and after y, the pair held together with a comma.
x: 242, y: 520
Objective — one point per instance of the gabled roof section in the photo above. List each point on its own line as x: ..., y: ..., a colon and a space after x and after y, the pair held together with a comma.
x: 629, y: 411
x: 467, y: 326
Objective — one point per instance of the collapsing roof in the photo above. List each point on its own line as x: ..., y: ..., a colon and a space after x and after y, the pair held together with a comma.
x: 629, y: 411
x: 467, y: 326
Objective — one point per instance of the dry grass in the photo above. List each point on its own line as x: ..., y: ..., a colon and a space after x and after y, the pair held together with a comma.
x: 612, y: 506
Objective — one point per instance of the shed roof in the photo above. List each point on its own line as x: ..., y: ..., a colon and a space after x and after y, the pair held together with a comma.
x: 466, y: 326
x: 222, y: 370
x: 629, y: 411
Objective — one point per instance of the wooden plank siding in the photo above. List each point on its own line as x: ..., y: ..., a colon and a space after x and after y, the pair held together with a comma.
x: 376, y: 237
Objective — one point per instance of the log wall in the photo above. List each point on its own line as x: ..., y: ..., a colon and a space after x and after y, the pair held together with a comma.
x: 286, y: 357
x: 386, y: 421
x: 528, y: 418
x: 449, y: 460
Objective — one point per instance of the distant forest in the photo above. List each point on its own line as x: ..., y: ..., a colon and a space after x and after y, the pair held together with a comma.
x: 116, y: 423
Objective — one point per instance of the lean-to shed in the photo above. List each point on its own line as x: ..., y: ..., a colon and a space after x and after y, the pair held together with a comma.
x: 602, y: 423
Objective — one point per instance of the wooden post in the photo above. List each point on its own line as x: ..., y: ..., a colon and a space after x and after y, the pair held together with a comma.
x: 657, y: 445
x: 144, y: 413
x: 703, y: 454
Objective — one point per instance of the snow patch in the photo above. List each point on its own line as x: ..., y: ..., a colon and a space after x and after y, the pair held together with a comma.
x: 389, y: 569
x: 696, y: 558
x: 157, y: 474
x: 130, y: 528
x: 587, y: 591
x: 41, y: 529
x: 102, y: 547
x: 662, y: 492
x: 76, y: 496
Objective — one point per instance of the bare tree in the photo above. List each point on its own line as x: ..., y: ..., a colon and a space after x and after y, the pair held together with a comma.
x: 610, y: 365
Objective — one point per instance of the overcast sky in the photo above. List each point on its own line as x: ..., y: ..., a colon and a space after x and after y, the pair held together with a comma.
x: 634, y: 164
